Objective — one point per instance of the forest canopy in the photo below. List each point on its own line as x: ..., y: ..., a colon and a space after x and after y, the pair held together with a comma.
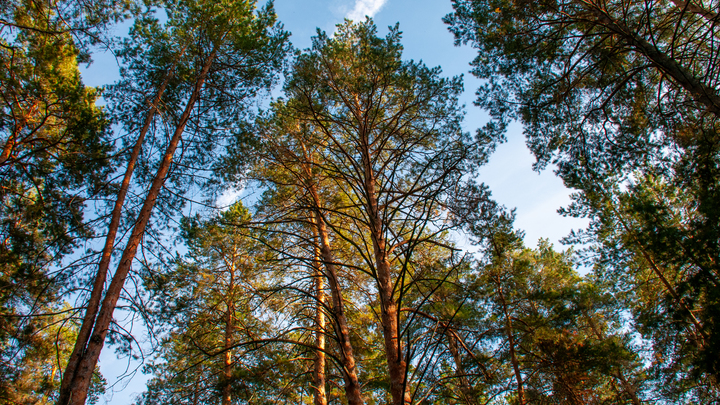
x: 362, y: 259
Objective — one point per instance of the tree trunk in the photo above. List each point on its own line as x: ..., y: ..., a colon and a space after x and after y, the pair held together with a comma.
x: 320, y: 395
x: 227, y: 356
x: 20, y: 123
x: 701, y: 92
x: 228, y: 341
x: 628, y: 388
x: 397, y: 366
x: 465, y: 388
x: 352, y: 386
x: 96, y: 293
x: 81, y: 381
x: 196, y: 391
x: 511, y: 343
x: 9, y: 146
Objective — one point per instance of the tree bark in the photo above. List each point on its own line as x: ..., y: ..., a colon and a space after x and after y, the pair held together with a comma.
x: 701, y: 92
x: 320, y: 395
x: 96, y: 293
x: 352, y: 386
x: 465, y: 388
x: 20, y: 123
x: 81, y: 381
x: 228, y: 341
x: 397, y: 366
x: 511, y: 342
x: 9, y: 146
x: 196, y: 391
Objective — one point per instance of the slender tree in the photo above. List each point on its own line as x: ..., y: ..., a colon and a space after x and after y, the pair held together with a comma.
x: 224, y: 37
x: 289, y: 150
x: 209, y: 296
x: 320, y: 367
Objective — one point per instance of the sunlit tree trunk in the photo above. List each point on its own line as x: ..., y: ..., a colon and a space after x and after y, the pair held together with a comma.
x: 228, y: 339
x: 374, y: 116
x: 81, y: 380
x: 196, y: 392
x: 511, y: 342
x: 320, y: 395
x: 9, y: 146
x: 397, y: 366
x: 22, y: 116
x: 465, y: 388
x: 352, y: 386
x: 93, y: 303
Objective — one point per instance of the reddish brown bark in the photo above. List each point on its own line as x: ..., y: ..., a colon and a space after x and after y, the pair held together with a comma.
x: 389, y: 315
x: 81, y: 381
x: 229, y: 331
x: 21, y: 120
x: 511, y: 342
x: 228, y: 341
x: 307, y: 182
x: 227, y: 357
x: 9, y: 146
x: 352, y: 386
x: 397, y: 366
x: 196, y: 394
x: 320, y: 395
x: 465, y: 388
x: 93, y: 303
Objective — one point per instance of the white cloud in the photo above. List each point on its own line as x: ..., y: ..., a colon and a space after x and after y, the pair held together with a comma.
x: 229, y: 197
x: 365, y: 7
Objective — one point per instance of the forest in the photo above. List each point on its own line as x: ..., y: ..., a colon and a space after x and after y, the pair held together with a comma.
x: 363, y: 259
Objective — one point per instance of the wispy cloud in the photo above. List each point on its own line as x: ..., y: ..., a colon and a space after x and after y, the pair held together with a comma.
x: 365, y: 8
x: 228, y: 198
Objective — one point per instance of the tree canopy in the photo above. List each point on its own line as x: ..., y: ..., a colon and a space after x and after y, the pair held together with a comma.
x: 361, y: 259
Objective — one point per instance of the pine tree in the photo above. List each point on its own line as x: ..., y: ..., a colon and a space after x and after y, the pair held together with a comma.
x: 233, y: 52
x: 54, y: 158
x: 621, y: 95
x: 214, y: 347
x: 392, y: 145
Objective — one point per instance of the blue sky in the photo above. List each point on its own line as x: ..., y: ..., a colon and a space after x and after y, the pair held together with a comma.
x: 509, y: 173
